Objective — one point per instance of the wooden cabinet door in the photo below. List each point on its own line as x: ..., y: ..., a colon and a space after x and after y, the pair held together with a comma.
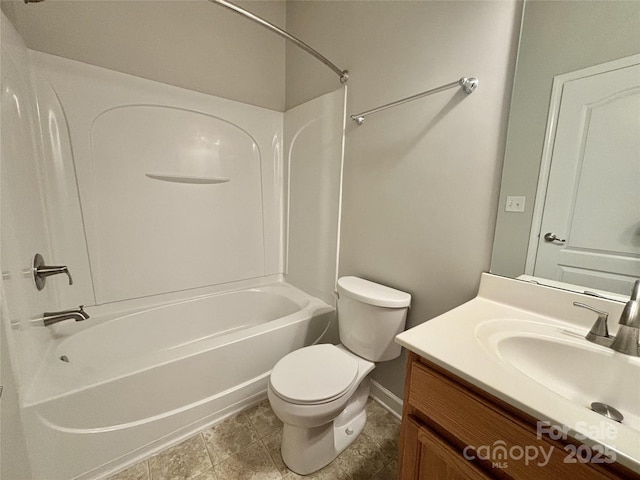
x: 426, y: 456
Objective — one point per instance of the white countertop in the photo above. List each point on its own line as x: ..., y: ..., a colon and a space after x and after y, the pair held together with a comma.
x: 451, y: 341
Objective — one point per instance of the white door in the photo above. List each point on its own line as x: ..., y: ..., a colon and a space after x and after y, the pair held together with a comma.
x: 592, y: 204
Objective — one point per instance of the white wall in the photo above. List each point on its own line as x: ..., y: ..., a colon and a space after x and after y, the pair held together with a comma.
x: 24, y: 227
x: 421, y: 181
x: 146, y: 235
x: 23, y: 232
x: 314, y: 139
x: 14, y: 459
x: 192, y: 44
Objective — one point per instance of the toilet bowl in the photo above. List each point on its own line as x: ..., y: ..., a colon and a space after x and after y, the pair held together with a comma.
x: 313, y: 435
x: 320, y: 392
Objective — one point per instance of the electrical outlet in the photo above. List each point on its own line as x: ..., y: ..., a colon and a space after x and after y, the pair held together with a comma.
x: 515, y: 204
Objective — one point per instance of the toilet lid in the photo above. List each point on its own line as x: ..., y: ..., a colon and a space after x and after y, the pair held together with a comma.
x: 315, y: 374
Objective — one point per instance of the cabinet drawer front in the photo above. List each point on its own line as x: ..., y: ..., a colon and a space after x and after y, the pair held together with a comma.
x: 470, y: 420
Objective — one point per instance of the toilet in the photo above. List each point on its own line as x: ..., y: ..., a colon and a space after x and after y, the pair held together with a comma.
x: 320, y: 392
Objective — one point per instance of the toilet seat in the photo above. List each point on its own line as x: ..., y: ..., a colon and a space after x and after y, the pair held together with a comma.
x: 314, y: 375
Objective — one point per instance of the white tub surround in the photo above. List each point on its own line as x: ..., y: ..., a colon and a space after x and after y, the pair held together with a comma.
x: 179, y: 190
x: 553, y: 374
x: 168, y: 207
x: 24, y: 225
x: 314, y: 145
x: 133, y: 383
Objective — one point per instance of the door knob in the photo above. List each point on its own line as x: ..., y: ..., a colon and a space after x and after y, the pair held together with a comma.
x: 552, y: 237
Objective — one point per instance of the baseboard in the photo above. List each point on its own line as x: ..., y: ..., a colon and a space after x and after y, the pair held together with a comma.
x: 386, y: 399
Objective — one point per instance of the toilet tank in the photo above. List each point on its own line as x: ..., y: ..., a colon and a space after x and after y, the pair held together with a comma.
x: 370, y: 315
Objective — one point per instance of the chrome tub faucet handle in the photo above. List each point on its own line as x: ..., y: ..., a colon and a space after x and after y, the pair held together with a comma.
x: 41, y: 271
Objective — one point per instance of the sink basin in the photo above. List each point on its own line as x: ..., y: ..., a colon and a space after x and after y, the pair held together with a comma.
x: 559, y: 358
x: 524, y: 344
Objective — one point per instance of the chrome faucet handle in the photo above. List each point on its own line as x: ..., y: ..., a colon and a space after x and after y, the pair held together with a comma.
x: 600, y: 329
x: 41, y: 271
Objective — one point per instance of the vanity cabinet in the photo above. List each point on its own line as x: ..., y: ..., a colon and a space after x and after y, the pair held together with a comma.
x: 452, y: 430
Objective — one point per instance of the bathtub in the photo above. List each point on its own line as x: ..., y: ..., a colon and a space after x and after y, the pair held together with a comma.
x: 119, y: 387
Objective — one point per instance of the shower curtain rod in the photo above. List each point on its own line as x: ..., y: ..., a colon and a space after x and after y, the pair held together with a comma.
x: 343, y: 74
x: 468, y: 85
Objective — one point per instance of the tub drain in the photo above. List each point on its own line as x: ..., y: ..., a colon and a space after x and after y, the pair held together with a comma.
x: 607, y: 411
x: 64, y: 358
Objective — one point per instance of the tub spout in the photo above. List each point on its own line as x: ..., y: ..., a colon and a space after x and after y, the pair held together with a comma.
x: 77, y: 314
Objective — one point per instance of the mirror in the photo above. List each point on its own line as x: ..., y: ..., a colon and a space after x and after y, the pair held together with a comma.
x: 572, y: 160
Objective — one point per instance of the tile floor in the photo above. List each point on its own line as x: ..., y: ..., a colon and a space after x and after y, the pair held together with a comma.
x: 247, y: 446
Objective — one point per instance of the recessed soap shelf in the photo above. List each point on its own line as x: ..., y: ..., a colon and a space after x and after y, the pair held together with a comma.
x: 170, y: 177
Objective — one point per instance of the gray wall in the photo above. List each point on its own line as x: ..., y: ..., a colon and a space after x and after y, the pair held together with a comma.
x: 190, y: 44
x: 421, y: 181
x: 557, y: 37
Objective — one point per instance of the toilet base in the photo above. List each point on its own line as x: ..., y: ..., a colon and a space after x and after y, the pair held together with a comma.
x: 306, y: 450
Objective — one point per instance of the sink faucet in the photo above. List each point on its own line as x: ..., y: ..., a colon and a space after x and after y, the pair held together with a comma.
x: 77, y: 314
x: 627, y: 340
x: 628, y: 337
